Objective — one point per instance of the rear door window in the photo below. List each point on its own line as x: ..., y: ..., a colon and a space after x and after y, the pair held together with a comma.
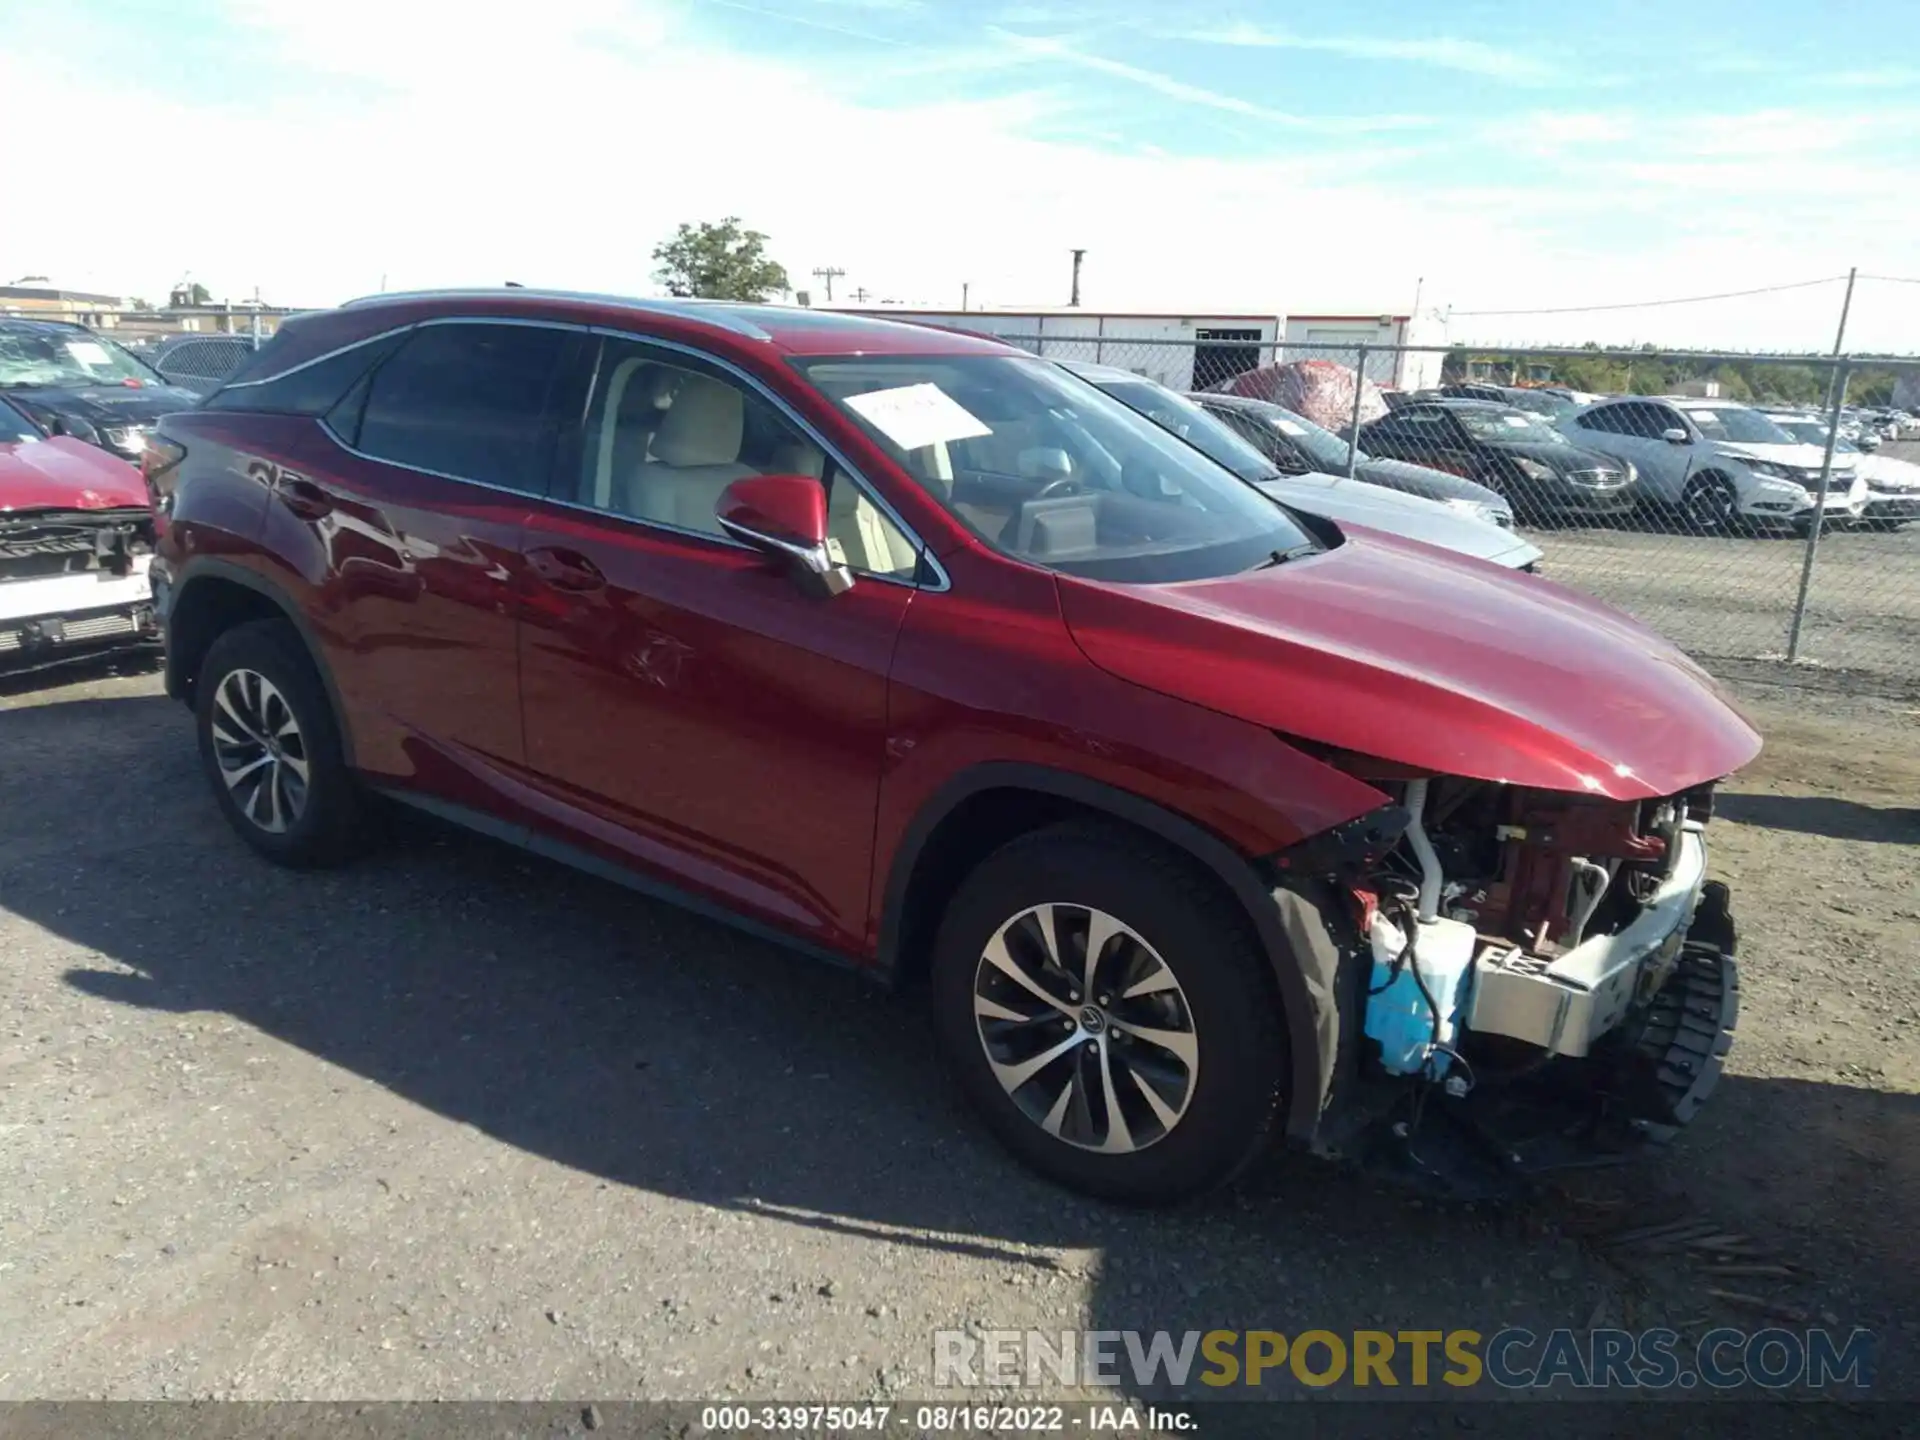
x: 469, y: 401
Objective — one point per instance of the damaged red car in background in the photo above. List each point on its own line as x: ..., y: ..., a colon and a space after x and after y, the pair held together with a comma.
x: 76, y: 538
x: 1200, y: 818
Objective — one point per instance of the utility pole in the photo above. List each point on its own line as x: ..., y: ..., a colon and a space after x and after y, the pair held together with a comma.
x: 1074, y: 299
x: 859, y: 296
x: 965, y: 286
x: 829, y: 273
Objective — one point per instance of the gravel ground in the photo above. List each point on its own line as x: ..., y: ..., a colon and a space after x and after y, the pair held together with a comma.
x: 453, y: 1123
x: 1734, y: 597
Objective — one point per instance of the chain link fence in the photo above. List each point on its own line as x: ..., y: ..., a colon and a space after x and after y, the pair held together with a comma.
x: 1748, y: 506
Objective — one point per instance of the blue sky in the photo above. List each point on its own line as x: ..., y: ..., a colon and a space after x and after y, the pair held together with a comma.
x: 1255, y: 157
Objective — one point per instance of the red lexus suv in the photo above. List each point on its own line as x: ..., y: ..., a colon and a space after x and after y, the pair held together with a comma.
x: 1202, y: 820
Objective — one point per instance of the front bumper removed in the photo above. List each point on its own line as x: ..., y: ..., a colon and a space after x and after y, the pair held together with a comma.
x: 1640, y: 1083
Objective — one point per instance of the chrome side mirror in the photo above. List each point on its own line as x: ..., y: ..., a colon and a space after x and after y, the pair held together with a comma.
x: 784, y: 517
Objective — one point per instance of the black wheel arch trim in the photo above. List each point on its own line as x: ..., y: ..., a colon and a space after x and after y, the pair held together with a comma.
x: 1240, y: 874
x: 210, y: 567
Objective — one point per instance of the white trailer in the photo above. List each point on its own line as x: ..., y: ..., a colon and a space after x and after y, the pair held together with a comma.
x: 1183, y: 352
x: 1338, y: 337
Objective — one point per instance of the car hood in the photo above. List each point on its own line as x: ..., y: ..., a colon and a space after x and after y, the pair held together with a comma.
x: 1561, y: 457
x: 1798, y: 456
x: 1887, y: 471
x: 1413, y: 655
x: 63, y: 474
x: 1355, y: 502
x: 106, y: 404
x: 1424, y: 480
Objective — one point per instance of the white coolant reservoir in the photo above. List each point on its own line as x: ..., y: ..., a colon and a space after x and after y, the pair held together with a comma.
x: 1398, y: 1015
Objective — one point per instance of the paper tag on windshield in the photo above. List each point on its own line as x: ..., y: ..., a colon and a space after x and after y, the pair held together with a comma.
x: 1289, y: 427
x: 1518, y: 422
x: 89, y: 352
x: 915, y: 415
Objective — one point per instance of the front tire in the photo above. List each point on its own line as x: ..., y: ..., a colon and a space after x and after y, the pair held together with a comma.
x: 1711, y: 506
x: 271, y: 747
x: 1154, y: 1073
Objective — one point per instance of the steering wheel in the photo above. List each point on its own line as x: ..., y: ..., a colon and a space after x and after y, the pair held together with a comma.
x: 1065, y: 485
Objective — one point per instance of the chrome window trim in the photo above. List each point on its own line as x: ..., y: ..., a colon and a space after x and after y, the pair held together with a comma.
x: 940, y: 582
x: 334, y: 353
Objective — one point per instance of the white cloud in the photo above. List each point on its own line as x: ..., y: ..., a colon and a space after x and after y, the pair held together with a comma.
x: 1472, y: 57
x: 1886, y: 77
x: 1176, y: 89
x: 561, y: 152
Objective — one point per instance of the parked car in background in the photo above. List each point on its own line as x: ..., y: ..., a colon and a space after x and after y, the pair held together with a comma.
x: 1297, y: 446
x: 76, y: 539
x: 1332, y: 495
x: 1859, y: 428
x: 919, y: 652
x: 1713, y: 465
x: 1550, y: 403
x: 1540, y: 472
x: 1892, y: 486
x: 200, y: 362
x: 73, y: 381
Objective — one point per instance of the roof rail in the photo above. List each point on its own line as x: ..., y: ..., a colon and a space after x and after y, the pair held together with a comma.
x: 722, y: 314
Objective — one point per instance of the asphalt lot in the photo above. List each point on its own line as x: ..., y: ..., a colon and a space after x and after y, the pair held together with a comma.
x: 455, y: 1123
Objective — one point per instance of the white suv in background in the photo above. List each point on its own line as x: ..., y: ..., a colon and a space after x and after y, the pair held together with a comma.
x: 1715, y: 464
x: 1893, y: 486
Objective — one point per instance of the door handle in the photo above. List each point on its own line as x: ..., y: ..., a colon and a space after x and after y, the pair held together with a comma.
x: 565, y: 569
x: 303, y: 497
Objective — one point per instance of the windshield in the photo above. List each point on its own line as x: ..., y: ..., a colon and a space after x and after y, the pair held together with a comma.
x: 1326, y: 450
x: 1812, y: 432
x: 1044, y: 467
x: 1176, y: 413
x: 15, y: 428
x: 1488, y: 422
x: 1541, y: 402
x: 30, y: 355
x: 1735, y: 423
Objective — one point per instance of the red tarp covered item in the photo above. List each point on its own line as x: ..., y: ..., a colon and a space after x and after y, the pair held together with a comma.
x: 1319, y: 390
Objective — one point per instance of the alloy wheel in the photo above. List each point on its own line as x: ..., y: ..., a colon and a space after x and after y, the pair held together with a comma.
x: 1710, y: 506
x: 261, y: 754
x: 1086, y: 1028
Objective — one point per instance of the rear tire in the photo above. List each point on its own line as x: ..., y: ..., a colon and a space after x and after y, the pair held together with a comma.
x: 1167, y: 1074
x: 271, y: 747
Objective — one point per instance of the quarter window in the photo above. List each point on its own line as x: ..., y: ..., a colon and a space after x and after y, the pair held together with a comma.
x: 468, y: 401
x: 308, y: 389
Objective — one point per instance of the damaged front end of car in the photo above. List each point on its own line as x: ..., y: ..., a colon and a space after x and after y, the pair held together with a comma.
x: 73, y: 583
x: 1527, y: 980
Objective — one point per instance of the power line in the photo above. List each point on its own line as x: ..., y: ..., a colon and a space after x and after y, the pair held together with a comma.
x: 1684, y: 300
x: 1894, y: 279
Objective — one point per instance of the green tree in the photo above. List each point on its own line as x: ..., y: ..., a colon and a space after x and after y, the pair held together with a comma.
x: 718, y: 262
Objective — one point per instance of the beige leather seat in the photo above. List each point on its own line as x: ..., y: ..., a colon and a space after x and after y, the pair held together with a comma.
x: 695, y: 456
x: 639, y: 394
